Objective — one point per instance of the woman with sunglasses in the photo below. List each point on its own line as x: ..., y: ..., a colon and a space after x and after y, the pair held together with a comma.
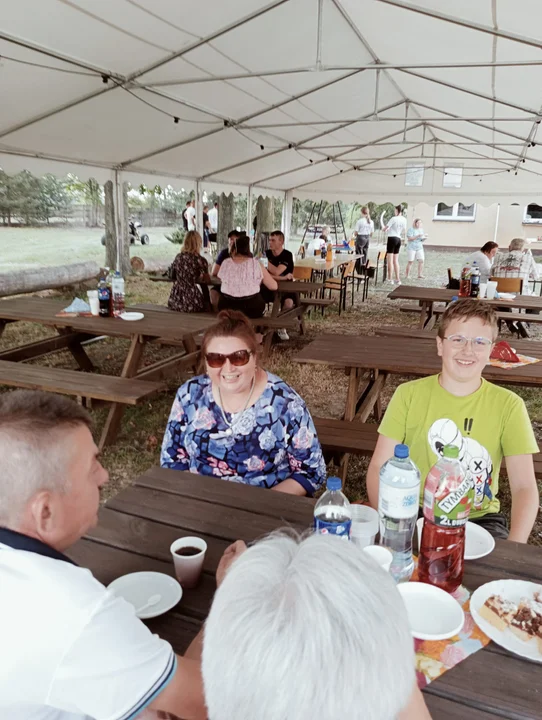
x: 241, y: 275
x: 241, y: 423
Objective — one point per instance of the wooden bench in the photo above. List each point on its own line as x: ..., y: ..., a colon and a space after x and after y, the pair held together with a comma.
x: 355, y: 438
x: 511, y: 316
x: 418, y: 309
x: 126, y: 391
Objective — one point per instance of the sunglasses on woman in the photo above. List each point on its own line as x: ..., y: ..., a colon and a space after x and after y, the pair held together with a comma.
x: 237, y: 358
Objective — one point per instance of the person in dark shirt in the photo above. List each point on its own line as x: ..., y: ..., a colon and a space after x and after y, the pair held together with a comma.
x: 224, y: 254
x: 185, y: 219
x: 206, y: 226
x: 280, y: 264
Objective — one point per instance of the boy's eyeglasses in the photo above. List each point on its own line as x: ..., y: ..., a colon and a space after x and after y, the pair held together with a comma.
x: 479, y: 344
x: 237, y: 358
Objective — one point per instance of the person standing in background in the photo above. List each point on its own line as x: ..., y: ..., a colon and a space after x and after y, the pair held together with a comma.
x: 415, y: 251
x: 213, y: 223
x: 185, y: 219
x: 395, y: 230
x: 191, y: 216
x: 364, y: 229
x: 484, y: 258
x: 206, y: 226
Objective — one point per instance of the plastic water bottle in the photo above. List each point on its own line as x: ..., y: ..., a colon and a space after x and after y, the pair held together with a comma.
x: 332, y: 513
x: 398, y: 501
x: 117, y: 289
x: 448, y: 496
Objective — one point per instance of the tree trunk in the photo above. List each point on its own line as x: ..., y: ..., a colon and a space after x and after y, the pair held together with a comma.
x: 110, y: 227
x: 139, y: 264
x: 225, y: 219
x: 124, y: 260
x: 44, y: 278
x: 264, y: 224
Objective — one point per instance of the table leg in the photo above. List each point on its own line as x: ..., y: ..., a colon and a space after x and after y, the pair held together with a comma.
x: 76, y: 349
x: 3, y: 324
x: 131, y: 365
x: 349, y: 413
x: 426, y: 313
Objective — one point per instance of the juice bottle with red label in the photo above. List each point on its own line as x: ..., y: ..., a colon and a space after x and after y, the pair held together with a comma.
x: 447, y: 500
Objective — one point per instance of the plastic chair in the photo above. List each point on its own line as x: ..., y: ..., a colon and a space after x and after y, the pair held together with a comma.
x: 302, y: 273
x: 508, y: 284
x: 342, y: 283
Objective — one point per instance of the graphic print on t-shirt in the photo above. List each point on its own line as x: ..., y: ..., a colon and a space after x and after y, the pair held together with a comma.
x: 474, y: 457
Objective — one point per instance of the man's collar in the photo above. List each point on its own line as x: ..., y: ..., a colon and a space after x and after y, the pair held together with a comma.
x: 18, y: 541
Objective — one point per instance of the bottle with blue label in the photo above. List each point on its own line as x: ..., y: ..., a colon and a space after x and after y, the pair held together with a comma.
x: 332, y: 513
x: 398, y: 503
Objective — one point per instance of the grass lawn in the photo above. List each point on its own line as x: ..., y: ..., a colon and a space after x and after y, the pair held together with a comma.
x: 322, y: 388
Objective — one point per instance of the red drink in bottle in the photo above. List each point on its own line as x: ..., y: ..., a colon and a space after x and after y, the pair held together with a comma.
x: 447, y: 500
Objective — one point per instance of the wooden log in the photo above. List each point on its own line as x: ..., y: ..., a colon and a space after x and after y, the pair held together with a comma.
x: 140, y: 264
x: 44, y: 278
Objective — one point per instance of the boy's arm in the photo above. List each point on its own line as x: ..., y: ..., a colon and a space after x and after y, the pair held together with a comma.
x: 384, y: 449
x: 525, y: 496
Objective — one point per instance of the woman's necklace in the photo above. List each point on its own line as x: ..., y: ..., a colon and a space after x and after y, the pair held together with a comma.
x: 230, y: 425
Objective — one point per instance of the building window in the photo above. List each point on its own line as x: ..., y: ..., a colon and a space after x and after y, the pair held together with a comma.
x: 414, y: 174
x: 452, y: 177
x: 532, y: 215
x: 455, y: 213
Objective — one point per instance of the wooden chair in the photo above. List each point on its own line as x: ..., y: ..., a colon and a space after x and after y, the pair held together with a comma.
x: 508, y: 285
x: 302, y: 273
x: 342, y: 283
x: 381, y: 257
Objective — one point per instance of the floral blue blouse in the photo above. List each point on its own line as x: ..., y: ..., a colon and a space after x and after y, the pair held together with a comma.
x: 271, y: 441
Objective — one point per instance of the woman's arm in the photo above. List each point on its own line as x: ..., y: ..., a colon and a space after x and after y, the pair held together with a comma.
x: 268, y: 280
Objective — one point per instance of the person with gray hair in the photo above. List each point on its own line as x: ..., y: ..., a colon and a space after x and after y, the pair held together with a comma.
x: 71, y: 648
x: 306, y: 628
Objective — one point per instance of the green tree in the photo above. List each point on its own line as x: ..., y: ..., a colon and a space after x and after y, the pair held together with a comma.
x: 91, y: 192
x: 54, y: 200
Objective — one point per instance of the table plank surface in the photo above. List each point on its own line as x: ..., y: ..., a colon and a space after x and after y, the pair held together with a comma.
x: 137, y: 527
x: 429, y: 294
x: 154, y: 324
x: 405, y: 356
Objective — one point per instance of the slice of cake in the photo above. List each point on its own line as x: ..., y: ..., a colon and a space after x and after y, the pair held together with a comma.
x: 498, y: 611
x: 527, y: 622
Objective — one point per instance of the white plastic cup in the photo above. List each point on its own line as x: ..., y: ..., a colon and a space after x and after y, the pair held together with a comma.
x: 491, y: 289
x: 483, y: 290
x: 364, y: 525
x: 380, y: 555
x: 188, y: 568
x: 93, y: 301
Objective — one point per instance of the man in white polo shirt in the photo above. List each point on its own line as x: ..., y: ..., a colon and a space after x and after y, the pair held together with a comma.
x: 70, y: 648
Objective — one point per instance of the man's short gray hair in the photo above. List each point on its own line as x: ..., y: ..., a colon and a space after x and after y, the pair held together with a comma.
x: 517, y: 244
x: 304, y: 629
x: 34, y: 446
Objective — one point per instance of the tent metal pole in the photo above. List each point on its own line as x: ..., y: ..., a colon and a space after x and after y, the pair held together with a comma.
x: 318, y: 218
x: 249, y: 209
x: 119, y: 216
x: 284, y: 149
x: 340, y: 68
x: 497, y: 222
x: 370, y: 119
x: 342, y: 221
x: 308, y: 223
x: 463, y: 23
x: 482, y: 96
x: 319, y: 35
x: 239, y: 122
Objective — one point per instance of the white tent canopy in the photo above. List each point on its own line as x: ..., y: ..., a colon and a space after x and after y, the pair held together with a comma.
x: 349, y: 99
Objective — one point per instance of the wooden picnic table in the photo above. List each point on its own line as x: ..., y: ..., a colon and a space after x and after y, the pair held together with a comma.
x: 137, y: 527
x: 74, y: 330
x: 371, y: 358
x: 427, y: 296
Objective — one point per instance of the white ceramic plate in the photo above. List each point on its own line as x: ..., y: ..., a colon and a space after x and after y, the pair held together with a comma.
x: 478, y: 542
x: 432, y: 613
x: 138, y: 588
x: 507, y: 296
x: 131, y: 316
x: 512, y: 590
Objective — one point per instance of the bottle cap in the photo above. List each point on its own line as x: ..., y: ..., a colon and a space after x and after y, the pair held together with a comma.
x: 401, y: 451
x: 454, y: 298
x: 334, y: 483
x: 450, y: 451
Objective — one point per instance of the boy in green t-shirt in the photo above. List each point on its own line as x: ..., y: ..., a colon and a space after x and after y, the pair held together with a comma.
x: 458, y: 407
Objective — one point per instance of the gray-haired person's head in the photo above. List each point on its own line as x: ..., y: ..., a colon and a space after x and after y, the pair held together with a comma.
x: 517, y: 244
x: 304, y: 629
x: 35, y: 447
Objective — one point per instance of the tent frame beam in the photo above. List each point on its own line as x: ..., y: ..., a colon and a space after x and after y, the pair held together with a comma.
x: 294, y: 146
x: 342, y: 68
x: 371, y: 119
x: 463, y: 23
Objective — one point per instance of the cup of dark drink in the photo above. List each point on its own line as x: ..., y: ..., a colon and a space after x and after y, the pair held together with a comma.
x: 188, y: 554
